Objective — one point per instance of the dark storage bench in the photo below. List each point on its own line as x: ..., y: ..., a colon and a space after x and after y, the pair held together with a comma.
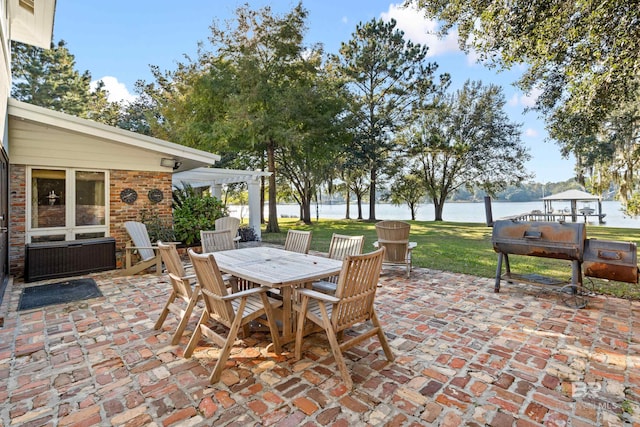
x: 50, y: 260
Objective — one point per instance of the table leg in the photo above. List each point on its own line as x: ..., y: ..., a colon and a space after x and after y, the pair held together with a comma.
x: 287, y: 301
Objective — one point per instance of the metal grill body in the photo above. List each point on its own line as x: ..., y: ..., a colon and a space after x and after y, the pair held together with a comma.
x: 541, y: 239
x: 611, y: 260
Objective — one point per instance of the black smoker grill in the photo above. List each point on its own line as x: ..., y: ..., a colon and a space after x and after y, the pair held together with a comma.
x: 562, y: 240
x: 559, y: 240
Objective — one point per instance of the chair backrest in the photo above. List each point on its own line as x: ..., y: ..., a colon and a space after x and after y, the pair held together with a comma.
x: 140, y: 238
x: 175, y: 269
x: 394, y: 236
x: 216, y: 240
x: 228, y: 223
x: 342, y: 245
x: 212, y: 287
x: 298, y: 241
x: 356, y: 289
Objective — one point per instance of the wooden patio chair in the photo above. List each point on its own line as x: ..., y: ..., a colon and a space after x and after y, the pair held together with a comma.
x: 341, y: 245
x: 140, y: 243
x: 229, y: 223
x: 298, y: 241
x: 394, y: 236
x: 216, y: 240
x: 181, y: 290
x: 231, y: 310
x: 351, y: 305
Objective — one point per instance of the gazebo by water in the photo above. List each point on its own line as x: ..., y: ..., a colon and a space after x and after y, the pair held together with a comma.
x: 574, y: 196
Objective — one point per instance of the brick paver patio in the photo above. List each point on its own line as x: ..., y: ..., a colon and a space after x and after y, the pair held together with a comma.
x: 464, y: 356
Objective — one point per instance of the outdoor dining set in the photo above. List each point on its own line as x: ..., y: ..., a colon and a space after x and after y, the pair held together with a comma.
x: 283, y: 290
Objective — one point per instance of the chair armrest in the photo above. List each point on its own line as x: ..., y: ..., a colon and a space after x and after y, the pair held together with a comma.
x: 188, y: 277
x: 141, y: 247
x: 248, y: 292
x: 317, y: 295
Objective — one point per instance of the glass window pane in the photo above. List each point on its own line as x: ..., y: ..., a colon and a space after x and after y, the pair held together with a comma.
x: 83, y: 236
x: 90, y: 198
x: 47, y: 198
x: 52, y: 238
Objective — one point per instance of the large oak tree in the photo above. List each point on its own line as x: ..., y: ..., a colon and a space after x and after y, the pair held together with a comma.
x: 465, y: 140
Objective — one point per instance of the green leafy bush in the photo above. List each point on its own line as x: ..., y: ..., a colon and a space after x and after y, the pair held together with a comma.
x: 158, y: 228
x: 194, y: 211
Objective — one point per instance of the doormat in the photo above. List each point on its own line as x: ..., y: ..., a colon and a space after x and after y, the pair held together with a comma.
x: 58, y: 293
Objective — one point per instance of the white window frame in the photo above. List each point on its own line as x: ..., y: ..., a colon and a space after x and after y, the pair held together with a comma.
x: 69, y: 231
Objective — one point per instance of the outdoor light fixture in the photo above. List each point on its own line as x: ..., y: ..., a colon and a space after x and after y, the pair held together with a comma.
x: 52, y: 197
x: 169, y: 163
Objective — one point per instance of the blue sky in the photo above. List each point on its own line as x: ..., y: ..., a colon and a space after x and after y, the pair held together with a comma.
x: 117, y: 41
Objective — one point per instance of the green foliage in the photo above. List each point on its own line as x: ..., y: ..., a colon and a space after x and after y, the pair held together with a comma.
x: 409, y: 189
x: 158, y: 228
x: 193, y: 212
x: 580, y: 54
x: 464, y: 140
x: 47, y: 78
x: 386, y: 75
x: 632, y: 207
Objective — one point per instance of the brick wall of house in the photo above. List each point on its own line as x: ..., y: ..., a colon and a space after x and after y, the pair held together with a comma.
x: 17, y: 219
x: 142, y: 182
x: 119, y: 211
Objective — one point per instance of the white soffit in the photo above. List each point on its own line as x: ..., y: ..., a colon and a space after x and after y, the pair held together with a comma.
x: 31, y: 21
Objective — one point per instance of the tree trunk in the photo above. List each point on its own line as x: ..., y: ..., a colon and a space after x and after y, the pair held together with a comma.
x: 348, y: 207
x: 272, y: 226
x: 372, y: 195
x: 359, y: 197
x: 262, y: 187
x: 438, y: 207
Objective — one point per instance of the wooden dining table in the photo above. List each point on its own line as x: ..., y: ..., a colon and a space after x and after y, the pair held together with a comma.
x: 278, y: 269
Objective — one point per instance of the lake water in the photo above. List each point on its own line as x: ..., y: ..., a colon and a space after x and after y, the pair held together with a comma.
x: 455, y: 212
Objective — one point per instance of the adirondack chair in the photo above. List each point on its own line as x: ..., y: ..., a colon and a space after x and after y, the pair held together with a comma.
x: 229, y: 223
x: 351, y: 305
x: 216, y: 240
x: 394, y: 236
x: 231, y: 310
x: 141, y: 244
x: 181, y: 291
x: 340, y: 246
x: 298, y: 241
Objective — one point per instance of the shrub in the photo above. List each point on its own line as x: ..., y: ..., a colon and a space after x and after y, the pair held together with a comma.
x: 247, y: 234
x: 193, y: 212
x: 157, y: 228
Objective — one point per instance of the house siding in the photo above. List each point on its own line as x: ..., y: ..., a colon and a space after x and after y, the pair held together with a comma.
x: 141, y: 181
x: 38, y: 144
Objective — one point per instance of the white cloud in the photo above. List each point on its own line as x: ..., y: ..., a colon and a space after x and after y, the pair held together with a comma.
x: 345, y: 20
x: 117, y: 91
x: 530, y: 132
x: 526, y: 100
x: 514, y: 101
x: 418, y: 29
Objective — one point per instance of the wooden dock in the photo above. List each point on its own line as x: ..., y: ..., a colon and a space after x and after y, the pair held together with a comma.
x: 556, y: 217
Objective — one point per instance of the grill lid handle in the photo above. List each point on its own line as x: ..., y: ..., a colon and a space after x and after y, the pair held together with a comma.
x: 609, y: 255
x: 533, y: 235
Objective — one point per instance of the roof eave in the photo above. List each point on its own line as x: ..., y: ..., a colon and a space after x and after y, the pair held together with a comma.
x: 187, y: 157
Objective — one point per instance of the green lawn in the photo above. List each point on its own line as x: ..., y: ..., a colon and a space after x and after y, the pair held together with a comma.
x: 462, y: 248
